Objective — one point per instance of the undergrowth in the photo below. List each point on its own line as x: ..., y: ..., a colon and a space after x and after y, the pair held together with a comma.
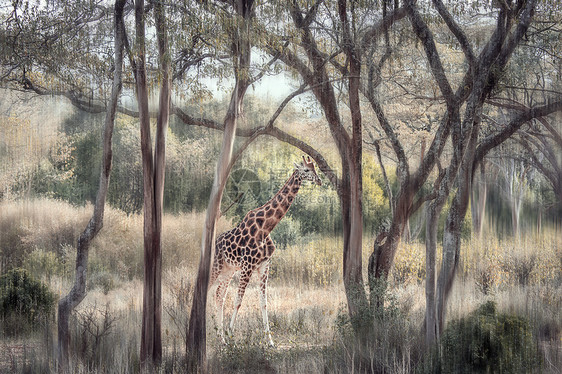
x: 310, y: 327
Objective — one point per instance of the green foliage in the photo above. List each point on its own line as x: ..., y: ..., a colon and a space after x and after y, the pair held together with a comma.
x: 71, y: 169
x: 87, y: 156
x: 47, y: 264
x: 125, y: 186
x: 24, y: 302
x: 487, y: 342
x: 375, y: 197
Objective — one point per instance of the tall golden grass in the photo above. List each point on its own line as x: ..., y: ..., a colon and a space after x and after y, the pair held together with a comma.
x: 306, y: 295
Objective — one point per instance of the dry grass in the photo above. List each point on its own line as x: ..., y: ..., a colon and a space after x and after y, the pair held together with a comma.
x: 306, y: 296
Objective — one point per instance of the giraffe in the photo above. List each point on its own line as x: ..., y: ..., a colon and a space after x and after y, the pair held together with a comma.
x: 248, y: 246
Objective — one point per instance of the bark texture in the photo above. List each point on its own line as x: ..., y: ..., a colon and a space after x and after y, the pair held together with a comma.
x: 196, y: 344
x: 154, y: 167
x: 78, y: 291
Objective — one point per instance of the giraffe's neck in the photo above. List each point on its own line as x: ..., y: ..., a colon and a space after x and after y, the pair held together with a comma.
x: 275, y: 209
x: 286, y: 194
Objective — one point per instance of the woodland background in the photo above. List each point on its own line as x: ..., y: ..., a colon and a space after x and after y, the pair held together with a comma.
x: 435, y: 126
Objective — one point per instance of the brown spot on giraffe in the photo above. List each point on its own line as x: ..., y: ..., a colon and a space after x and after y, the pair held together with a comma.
x: 248, y: 246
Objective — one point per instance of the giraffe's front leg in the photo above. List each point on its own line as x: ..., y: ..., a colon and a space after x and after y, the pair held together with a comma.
x: 244, y: 280
x: 263, y: 272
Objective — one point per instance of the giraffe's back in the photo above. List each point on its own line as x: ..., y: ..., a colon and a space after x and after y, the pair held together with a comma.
x: 238, y: 249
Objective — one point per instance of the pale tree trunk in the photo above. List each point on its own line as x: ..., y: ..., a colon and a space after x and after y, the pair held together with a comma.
x: 153, y: 183
x: 197, y: 331
x: 515, y: 217
x: 407, y: 235
x: 453, y: 224
x: 515, y: 176
x: 78, y: 291
x: 478, y: 202
x: 433, y: 211
x: 196, y: 344
x: 451, y: 245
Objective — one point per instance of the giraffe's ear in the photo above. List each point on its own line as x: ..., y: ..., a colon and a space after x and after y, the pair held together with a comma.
x: 297, y: 165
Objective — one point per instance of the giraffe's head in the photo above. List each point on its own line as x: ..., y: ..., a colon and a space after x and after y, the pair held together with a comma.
x: 307, y: 171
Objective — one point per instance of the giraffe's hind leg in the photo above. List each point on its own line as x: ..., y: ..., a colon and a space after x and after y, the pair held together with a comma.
x: 223, y: 283
x: 263, y: 272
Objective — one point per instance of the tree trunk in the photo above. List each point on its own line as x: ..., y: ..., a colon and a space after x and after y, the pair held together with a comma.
x: 352, y: 249
x: 382, y: 257
x: 352, y: 252
x: 478, y: 203
x: 432, y: 328
x: 453, y: 225
x: 196, y: 344
x: 78, y: 291
x: 197, y: 332
x: 514, y: 219
x: 147, y: 349
x: 153, y: 183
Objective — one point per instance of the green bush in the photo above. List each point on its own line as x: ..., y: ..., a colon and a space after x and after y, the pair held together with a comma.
x: 24, y: 302
x: 487, y: 342
x: 47, y: 264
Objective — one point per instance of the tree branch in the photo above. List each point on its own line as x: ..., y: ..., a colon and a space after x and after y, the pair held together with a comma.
x: 515, y: 124
x: 457, y: 32
x: 426, y: 37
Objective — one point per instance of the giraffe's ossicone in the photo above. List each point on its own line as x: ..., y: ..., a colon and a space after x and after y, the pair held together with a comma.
x: 248, y: 246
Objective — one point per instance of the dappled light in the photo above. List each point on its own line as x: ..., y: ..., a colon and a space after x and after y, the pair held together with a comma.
x: 292, y: 187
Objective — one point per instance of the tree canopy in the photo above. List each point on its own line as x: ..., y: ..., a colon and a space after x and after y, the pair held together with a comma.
x: 411, y: 98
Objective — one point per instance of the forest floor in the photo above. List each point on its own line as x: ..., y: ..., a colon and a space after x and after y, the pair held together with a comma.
x: 306, y: 299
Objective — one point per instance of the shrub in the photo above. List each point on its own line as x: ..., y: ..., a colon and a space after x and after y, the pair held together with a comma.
x: 47, y: 264
x: 103, y: 280
x: 487, y: 342
x: 378, y: 339
x: 93, y: 325
x: 409, y: 264
x: 520, y: 267
x: 487, y: 277
x: 24, y: 302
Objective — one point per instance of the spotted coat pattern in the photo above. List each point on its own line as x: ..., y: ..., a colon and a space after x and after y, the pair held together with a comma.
x: 248, y: 246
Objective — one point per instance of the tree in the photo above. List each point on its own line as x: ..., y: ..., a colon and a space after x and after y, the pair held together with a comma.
x: 241, y: 46
x: 153, y: 179
x: 482, y: 77
x: 78, y: 291
x: 543, y: 145
x: 316, y: 73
